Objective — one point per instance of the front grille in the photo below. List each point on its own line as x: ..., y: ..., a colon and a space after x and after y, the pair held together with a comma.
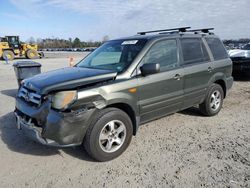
x: 238, y: 58
x: 30, y: 97
x: 241, y: 63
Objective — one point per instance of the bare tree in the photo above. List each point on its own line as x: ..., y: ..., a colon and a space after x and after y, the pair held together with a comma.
x: 105, y: 38
x: 31, y: 40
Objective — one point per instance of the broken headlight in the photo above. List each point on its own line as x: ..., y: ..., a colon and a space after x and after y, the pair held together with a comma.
x: 63, y: 99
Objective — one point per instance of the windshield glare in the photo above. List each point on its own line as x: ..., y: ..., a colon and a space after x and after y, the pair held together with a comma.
x: 114, y: 55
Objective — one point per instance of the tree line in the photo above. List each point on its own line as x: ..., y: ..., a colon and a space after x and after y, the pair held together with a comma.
x: 236, y: 41
x: 77, y: 43
x: 65, y: 43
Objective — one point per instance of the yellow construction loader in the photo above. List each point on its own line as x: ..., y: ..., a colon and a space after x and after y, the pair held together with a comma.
x: 11, y: 47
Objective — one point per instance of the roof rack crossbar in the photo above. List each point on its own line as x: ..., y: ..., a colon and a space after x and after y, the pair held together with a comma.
x: 180, y: 29
x: 204, y: 30
x: 171, y: 32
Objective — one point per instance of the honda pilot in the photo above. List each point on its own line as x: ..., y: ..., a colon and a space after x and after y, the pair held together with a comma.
x: 101, y: 101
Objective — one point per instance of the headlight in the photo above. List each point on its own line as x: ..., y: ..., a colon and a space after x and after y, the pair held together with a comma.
x: 62, y: 100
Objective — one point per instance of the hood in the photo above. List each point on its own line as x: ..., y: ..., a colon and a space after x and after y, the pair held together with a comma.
x: 239, y: 53
x: 67, y: 78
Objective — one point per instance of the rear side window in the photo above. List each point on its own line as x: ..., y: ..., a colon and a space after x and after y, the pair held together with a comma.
x: 217, y: 48
x: 193, y: 51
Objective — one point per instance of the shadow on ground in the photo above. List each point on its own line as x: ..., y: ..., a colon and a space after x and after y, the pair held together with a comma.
x: 193, y: 111
x: 10, y: 92
x: 17, y: 142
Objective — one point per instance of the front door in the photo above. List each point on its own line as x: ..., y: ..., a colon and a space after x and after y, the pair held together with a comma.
x: 161, y: 93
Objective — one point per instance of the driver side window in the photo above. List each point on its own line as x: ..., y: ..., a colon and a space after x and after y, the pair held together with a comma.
x: 164, y: 53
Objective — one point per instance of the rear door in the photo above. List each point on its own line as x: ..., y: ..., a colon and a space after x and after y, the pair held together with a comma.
x: 197, y: 68
x: 161, y: 93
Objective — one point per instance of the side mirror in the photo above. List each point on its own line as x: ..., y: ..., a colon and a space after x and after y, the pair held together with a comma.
x: 150, y: 68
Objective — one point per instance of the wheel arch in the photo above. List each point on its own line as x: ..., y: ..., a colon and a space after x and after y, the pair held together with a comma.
x: 222, y: 83
x: 129, y: 111
x: 220, y: 79
x: 8, y: 49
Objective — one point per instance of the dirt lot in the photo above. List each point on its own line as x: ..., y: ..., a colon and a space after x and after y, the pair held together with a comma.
x: 181, y: 150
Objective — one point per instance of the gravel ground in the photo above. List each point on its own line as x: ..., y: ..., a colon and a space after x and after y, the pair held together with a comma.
x: 181, y: 150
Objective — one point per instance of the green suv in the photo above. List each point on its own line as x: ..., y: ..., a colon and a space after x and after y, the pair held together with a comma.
x: 100, y: 102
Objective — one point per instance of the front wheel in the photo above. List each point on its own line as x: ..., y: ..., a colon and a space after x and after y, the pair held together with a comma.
x: 213, y: 101
x: 109, y: 135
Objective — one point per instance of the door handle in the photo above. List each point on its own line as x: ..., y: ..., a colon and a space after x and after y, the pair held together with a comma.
x: 209, y: 69
x: 177, y: 77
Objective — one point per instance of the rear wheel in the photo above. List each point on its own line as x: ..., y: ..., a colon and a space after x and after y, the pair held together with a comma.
x: 32, y: 54
x: 8, y: 55
x: 213, y: 102
x: 109, y: 135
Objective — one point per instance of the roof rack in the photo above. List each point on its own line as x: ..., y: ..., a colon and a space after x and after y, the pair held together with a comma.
x: 180, y: 29
x: 204, y: 30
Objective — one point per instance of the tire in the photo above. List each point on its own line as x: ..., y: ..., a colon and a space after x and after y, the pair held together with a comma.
x: 41, y: 55
x: 32, y: 54
x: 213, y: 101
x: 8, y: 55
x: 98, y: 140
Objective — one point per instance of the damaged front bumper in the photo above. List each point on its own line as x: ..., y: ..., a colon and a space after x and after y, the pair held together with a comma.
x: 30, y: 130
x: 50, y: 127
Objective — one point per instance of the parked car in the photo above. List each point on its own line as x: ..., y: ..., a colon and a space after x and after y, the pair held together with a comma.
x: 241, y: 60
x: 101, y: 101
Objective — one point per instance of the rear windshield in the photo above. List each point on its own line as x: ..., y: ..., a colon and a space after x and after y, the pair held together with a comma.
x: 217, y: 48
x: 246, y: 47
x: 114, y: 55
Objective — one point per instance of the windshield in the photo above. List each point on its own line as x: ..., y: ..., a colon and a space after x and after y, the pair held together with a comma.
x: 114, y: 55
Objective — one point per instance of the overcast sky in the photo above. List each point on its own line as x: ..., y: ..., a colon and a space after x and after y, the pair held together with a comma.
x: 92, y: 19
